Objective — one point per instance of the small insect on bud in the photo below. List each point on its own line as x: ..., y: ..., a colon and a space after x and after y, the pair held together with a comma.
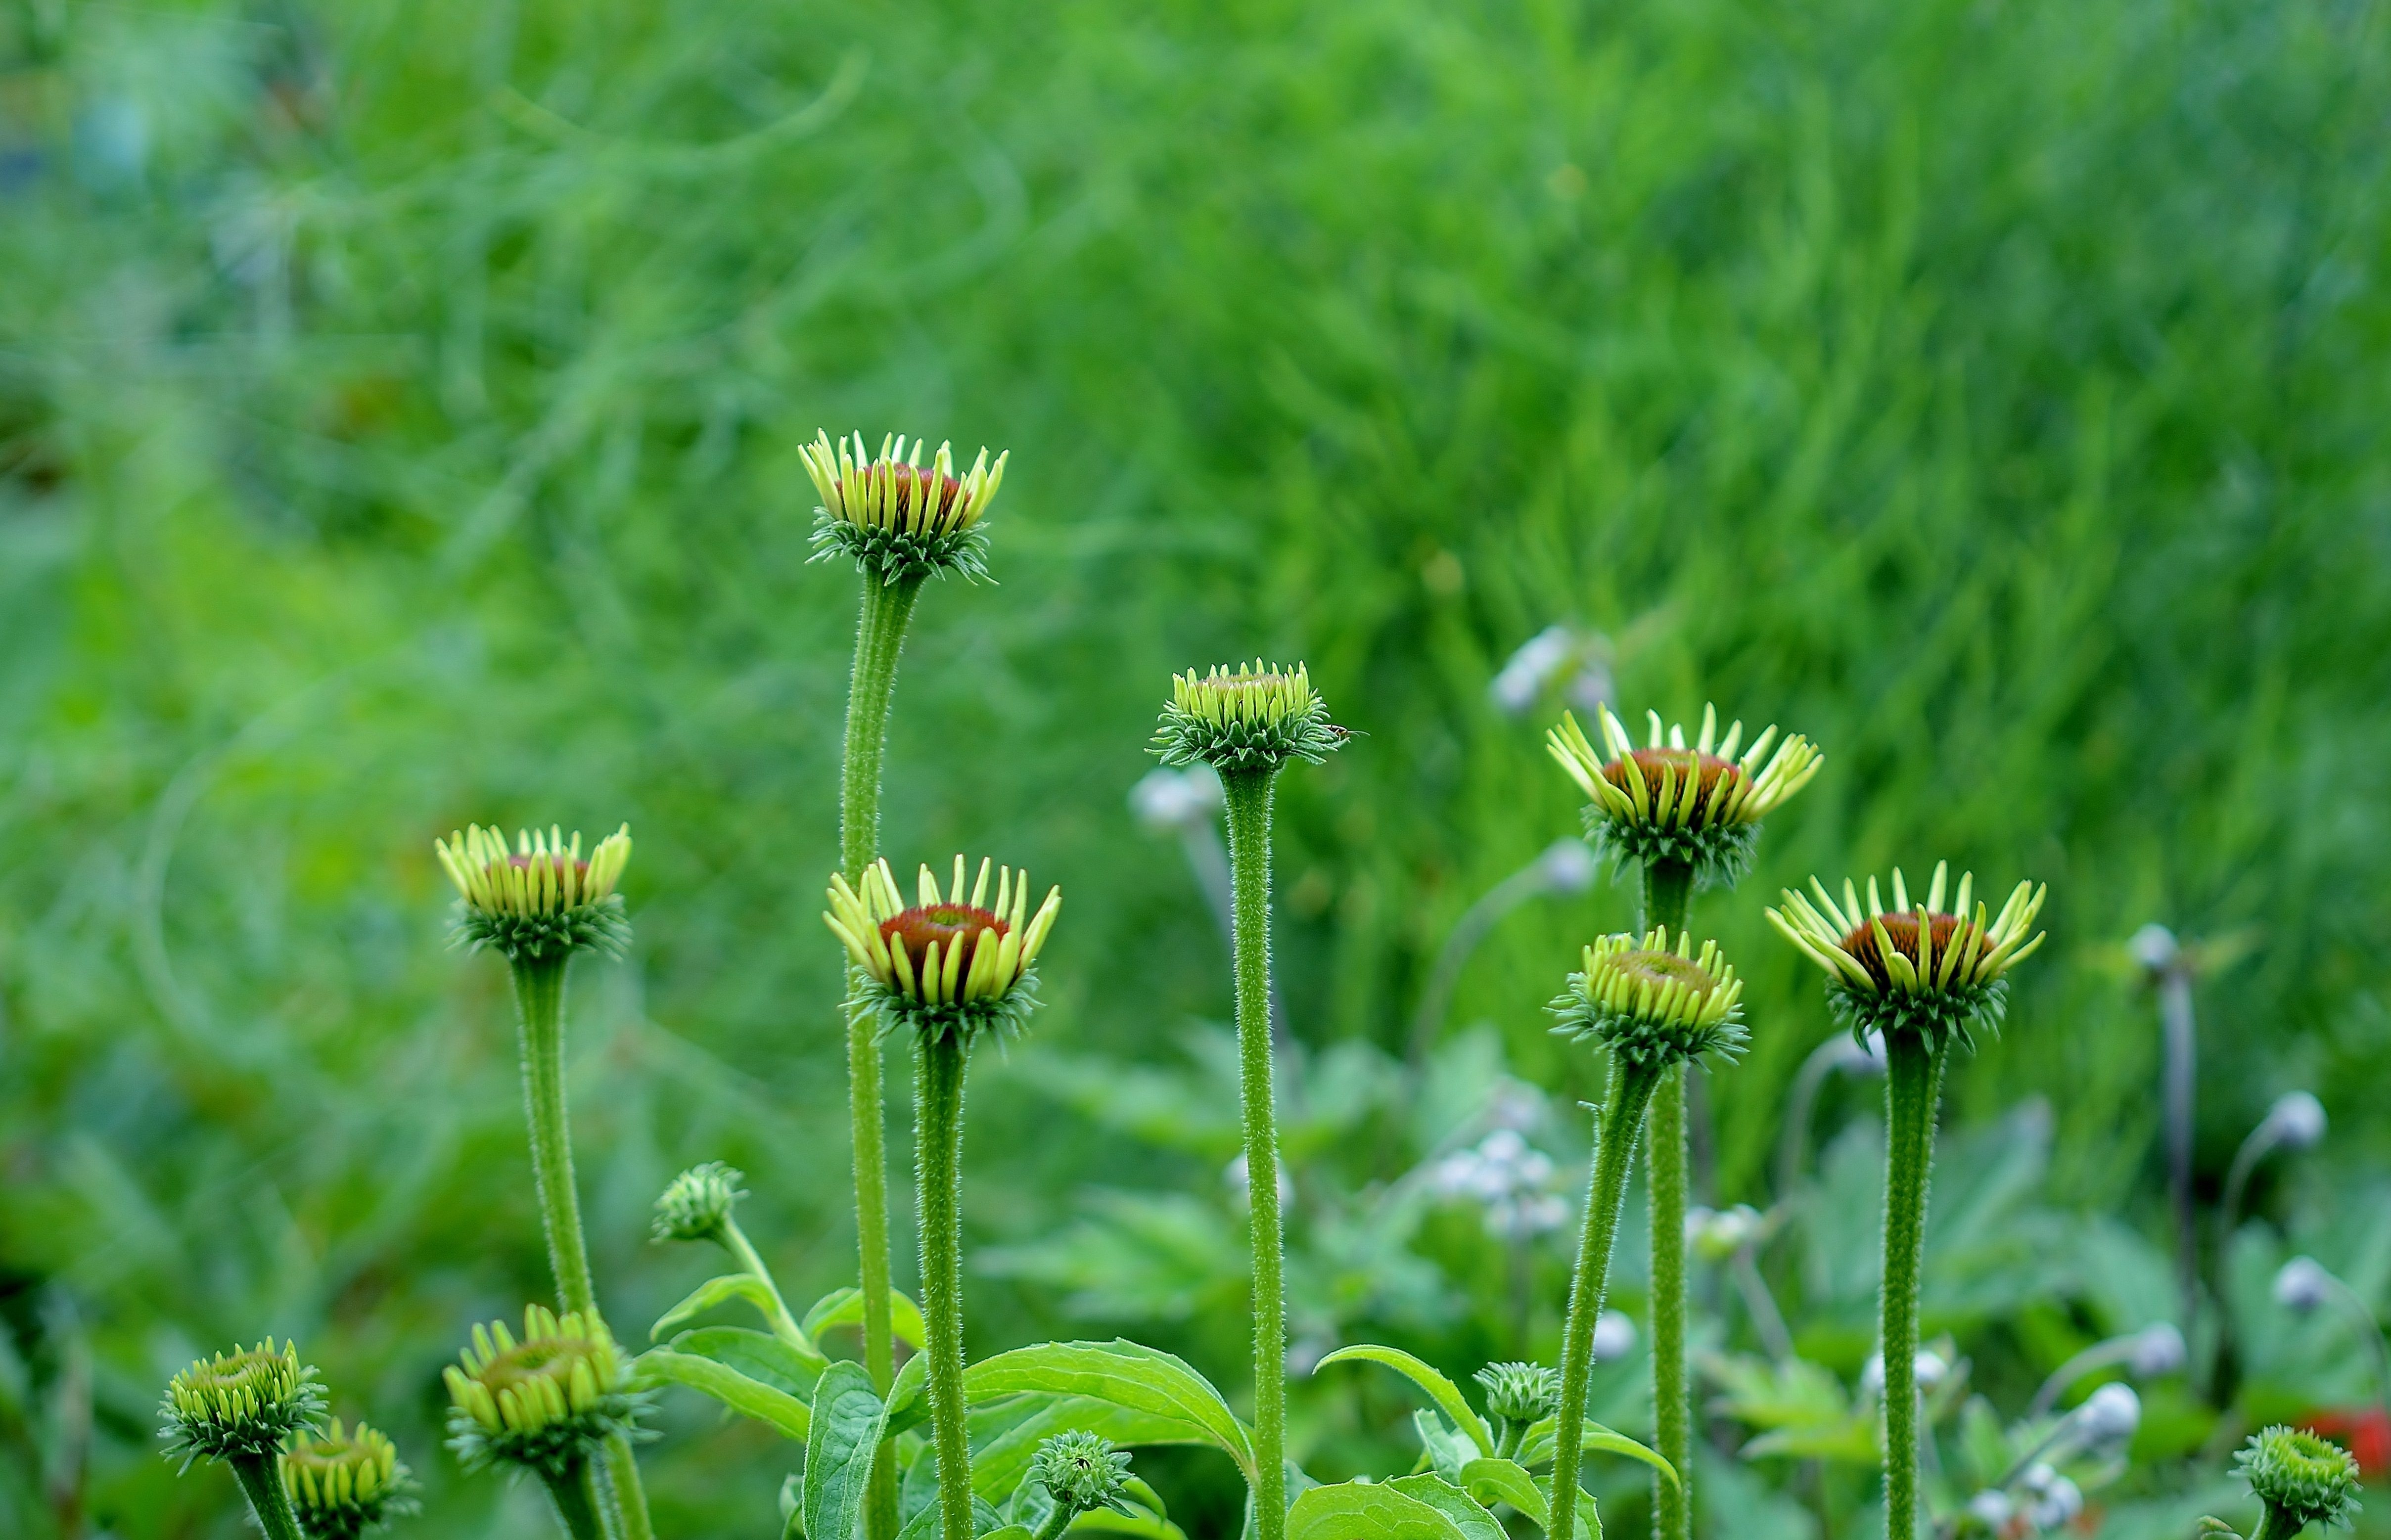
x: 539, y: 903
x: 944, y: 965
x: 1255, y: 717
x: 2301, y: 1479
x: 896, y: 517
x: 239, y: 1405
x: 542, y: 1402
x: 1520, y: 1393
x: 1700, y: 805
x: 1081, y: 1472
x: 1652, y: 1007
x: 345, y: 1482
x: 698, y: 1202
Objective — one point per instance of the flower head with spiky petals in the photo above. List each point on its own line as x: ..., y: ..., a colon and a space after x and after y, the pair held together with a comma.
x: 1520, y: 1393
x: 1700, y: 806
x: 1652, y: 1007
x: 698, y: 1202
x: 2300, y: 1477
x: 541, y: 901
x: 1914, y: 967
x: 246, y: 1402
x: 542, y: 1402
x: 944, y: 965
x: 1255, y: 717
x: 1083, y: 1470
x: 344, y: 1482
x: 897, y: 518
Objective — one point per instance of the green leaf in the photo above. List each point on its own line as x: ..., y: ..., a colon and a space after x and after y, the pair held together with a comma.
x: 844, y: 1307
x: 1362, y: 1510
x: 847, y: 1419
x: 1009, y: 1531
x: 1537, y: 1447
x: 1443, y: 1391
x: 1467, y: 1515
x: 758, y: 1354
x: 1446, y: 1451
x: 1133, y: 1377
x: 924, y: 1524
x: 1500, y: 1480
x: 1000, y: 1463
x: 1850, y: 1443
x: 909, y: 1401
x: 747, y: 1397
x: 715, y: 1293
x: 1150, y: 1526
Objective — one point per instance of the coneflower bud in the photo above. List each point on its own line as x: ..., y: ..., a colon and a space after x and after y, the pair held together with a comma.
x: 944, y: 965
x: 540, y: 901
x: 897, y: 518
x: 1698, y: 806
x: 1913, y: 967
x: 1255, y: 717
x: 2301, y: 1479
x: 1081, y: 1471
x: 1652, y: 1007
x: 698, y: 1202
x: 1520, y: 1393
x: 239, y: 1405
x: 543, y: 1402
x: 344, y: 1483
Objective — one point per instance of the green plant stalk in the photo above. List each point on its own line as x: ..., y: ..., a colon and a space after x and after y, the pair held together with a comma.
x: 885, y: 610
x: 574, y: 1505
x: 1247, y: 794
x: 1614, y: 1152
x: 938, y: 1167
x: 1668, y: 888
x: 743, y: 1250
x: 1058, y: 1519
x: 261, y: 1481
x: 1913, y: 1082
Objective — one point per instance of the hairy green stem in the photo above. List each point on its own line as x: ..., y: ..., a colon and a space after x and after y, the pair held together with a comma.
x: 743, y: 1250
x: 1506, y: 1444
x: 1058, y: 1519
x: 879, y: 638
x: 938, y: 1167
x: 576, y: 1506
x: 1614, y: 1152
x: 1668, y: 886
x: 261, y: 1481
x: 1913, y: 1082
x: 1247, y: 794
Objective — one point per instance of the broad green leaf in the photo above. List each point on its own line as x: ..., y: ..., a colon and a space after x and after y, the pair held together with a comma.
x: 1444, y: 1450
x: 1149, y: 1526
x: 1362, y: 1510
x: 847, y: 1419
x: 758, y: 1354
x: 1137, y: 1379
x: 1468, y: 1514
x: 924, y: 1524
x: 1849, y: 1443
x: 747, y: 1397
x: 844, y: 1307
x: 1585, y: 1513
x: 1499, y: 1480
x: 908, y: 1400
x: 1443, y: 1391
x: 719, y: 1291
x: 1009, y: 1531
x: 1537, y: 1447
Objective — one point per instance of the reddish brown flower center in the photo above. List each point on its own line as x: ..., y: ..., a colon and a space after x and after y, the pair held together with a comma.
x: 559, y: 861
x: 1659, y: 968
x: 1718, y: 777
x: 916, y: 488
x: 1902, y: 931
x: 950, y: 925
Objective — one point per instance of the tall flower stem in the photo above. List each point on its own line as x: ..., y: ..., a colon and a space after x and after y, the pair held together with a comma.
x: 1913, y: 1083
x: 540, y: 1011
x: 1614, y: 1152
x: 572, y: 1492
x: 1247, y: 794
x: 261, y: 1481
x: 937, y: 1163
x: 1668, y: 886
x: 880, y: 627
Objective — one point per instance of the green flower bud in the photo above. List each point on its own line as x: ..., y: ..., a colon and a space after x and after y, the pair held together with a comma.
x: 543, y: 1402
x: 344, y: 1483
x: 1255, y: 717
x: 895, y: 519
x: 2300, y: 1478
x: 944, y: 965
x: 541, y: 903
x: 1520, y: 1393
x: 698, y: 1203
x: 1652, y: 1007
x: 239, y: 1404
x: 1913, y: 968
x: 1081, y: 1472
x: 1698, y: 807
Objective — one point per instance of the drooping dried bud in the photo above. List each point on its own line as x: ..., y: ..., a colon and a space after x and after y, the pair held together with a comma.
x: 1255, y: 717
x: 1652, y: 1007
x: 896, y: 517
x: 1698, y: 806
x: 240, y: 1403
x: 697, y: 1202
x: 541, y: 901
x: 542, y: 1402
x: 946, y: 963
x: 345, y: 1482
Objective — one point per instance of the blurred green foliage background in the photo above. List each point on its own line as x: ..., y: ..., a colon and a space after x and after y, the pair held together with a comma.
x: 398, y: 408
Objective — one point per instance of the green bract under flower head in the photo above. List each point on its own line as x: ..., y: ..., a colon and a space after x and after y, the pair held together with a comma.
x: 698, y: 1202
x: 1520, y: 1393
x: 2301, y: 1476
x: 239, y: 1404
x: 542, y: 1402
x: 897, y: 518
x: 1914, y: 967
x: 1652, y: 1007
x: 541, y: 901
x: 1700, y: 806
x: 1082, y: 1471
x: 344, y: 1483
x: 944, y: 965
x: 1255, y: 717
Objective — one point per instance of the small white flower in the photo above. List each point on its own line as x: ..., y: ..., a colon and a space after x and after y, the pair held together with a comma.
x: 2111, y: 1413
x: 2303, y: 1285
x: 2158, y: 1351
x: 1614, y: 1336
x: 2298, y: 1120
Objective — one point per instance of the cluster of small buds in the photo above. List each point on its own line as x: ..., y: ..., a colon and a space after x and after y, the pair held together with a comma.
x: 698, y: 1202
x: 540, y: 901
x: 944, y: 965
x: 1255, y: 717
x: 542, y: 1402
x: 1652, y: 1007
x: 1520, y: 1393
x: 345, y: 1482
x: 239, y: 1405
x: 1914, y: 967
x: 896, y: 517
x: 1511, y: 1179
x: 1696, y: 806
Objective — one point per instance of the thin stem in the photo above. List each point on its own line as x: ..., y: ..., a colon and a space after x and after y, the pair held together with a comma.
x: 1058, y: 1519
x: 261, y: 1481
x: 734, y: 1240
x: 879, y: 638
x: 1913, y: 1080
x: 631, y: 1496
x: 574, y: 1505
x: 937, y: 1164
x: 1668, y: 886
x: 1506, y: 1447
x: 1248, y: 797
x: 1614, y: 1151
